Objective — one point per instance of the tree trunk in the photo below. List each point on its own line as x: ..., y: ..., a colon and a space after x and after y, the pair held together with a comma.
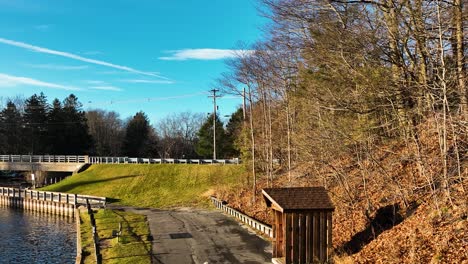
x: 252, y: 138
x: 459, y: 56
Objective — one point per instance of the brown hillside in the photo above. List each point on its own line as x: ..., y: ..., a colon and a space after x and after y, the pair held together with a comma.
x: 391, y: 204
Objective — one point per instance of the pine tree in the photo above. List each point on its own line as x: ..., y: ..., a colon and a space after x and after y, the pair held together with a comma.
x: 233, y: 130
x: 78, y: 140
x: 57, y: 136
x: 35, y: 124
x: 11, y: 130
x: 204, y: 146
x: 137, y: 135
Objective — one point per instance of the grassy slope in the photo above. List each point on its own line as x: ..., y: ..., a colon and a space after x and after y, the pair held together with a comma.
x: 152, y: 185
x: 133, y: 247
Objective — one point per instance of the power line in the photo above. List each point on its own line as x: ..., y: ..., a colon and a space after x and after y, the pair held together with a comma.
x: 147, y: 99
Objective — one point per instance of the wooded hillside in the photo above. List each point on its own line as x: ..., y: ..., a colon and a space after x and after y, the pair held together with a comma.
x: 368, y: 98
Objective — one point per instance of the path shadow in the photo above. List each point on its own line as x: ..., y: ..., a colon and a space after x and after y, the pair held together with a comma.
x: 384, y: 219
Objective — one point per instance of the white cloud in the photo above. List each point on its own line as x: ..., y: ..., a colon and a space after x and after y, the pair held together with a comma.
x: 10, y: 81
x: 95, y: 82
x: 43, y: 27
x: 147, y: 81
x: 92, y: 52
x: 106, y: 88
x: 204, y: 54
x: 75, y: 57
x: 57, y: 67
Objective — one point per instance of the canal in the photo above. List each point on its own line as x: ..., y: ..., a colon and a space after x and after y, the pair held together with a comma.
x: 30, y: 237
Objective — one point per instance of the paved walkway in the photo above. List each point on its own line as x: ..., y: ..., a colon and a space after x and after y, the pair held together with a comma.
x: 196, y: 236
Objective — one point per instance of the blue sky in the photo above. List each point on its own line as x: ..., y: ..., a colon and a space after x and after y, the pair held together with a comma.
x: 158, y: 56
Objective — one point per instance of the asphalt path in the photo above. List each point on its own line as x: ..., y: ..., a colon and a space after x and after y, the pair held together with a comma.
x: 199, y: 236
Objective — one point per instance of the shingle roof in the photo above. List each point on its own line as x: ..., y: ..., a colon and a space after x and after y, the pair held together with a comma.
x: 299, y: 198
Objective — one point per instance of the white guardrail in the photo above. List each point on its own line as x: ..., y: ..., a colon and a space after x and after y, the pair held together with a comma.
x: 69, y: 198
x: 117, y: 160
x: 109, y: 160
x: 255, y: 224
x: 44, y: 158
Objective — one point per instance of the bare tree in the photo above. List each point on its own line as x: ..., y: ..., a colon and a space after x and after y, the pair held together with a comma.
x: 107, y: 130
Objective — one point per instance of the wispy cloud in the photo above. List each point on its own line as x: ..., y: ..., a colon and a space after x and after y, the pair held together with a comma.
x: 147, y: 81
x: 76, y: 57
x: 106, y: 88
x: 43, y: 27
x: 92, y: 52
x: 95, y: 82
x: 10, y: 80
x: 203, y: 54
x: 57, y: 67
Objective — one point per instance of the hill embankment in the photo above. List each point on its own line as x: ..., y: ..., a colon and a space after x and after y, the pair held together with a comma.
x: 397, y: 201
x: 153, y: 185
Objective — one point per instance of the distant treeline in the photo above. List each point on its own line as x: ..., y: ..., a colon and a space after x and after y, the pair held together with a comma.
x: 34, y: 126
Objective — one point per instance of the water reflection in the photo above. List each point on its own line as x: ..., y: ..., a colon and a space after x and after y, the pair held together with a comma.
x: 31, y: 237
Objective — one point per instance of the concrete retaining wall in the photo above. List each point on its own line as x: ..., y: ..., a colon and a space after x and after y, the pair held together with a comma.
x: 43, y: 206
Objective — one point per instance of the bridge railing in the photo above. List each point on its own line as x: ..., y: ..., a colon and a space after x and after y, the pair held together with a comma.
x: 69, y: 198
x: 131, y: 160
x: 44, y: 158
x: 109, y: 160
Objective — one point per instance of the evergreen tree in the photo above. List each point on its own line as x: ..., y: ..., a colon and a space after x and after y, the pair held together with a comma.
x: 204, y: 146
x: 35, y: 124
x: 11, y: 130
x: 77, y: 139
x: 57, y: 137
x: 233, y: 130
x: 137, y: 136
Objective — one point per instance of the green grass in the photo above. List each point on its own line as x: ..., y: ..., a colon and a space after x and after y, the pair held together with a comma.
x: 133, y: 246
x: 153, y: 185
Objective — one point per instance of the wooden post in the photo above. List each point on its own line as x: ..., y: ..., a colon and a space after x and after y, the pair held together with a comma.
x: 295, y: 238
x: 302, y: 238
x: 287, y: 242
x: 322, y: 231
x: 329, y: 235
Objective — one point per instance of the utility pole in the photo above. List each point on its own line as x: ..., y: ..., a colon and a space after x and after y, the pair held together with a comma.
x: 214, y: 91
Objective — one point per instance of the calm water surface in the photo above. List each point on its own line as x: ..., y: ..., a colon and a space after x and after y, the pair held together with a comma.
x: 30, y: 237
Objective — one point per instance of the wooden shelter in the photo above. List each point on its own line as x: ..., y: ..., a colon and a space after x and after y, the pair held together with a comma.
x: 303, y: 224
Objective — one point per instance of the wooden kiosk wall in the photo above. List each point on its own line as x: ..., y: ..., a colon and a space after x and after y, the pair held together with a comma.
x: 303, y: 237
x: 302, y: 224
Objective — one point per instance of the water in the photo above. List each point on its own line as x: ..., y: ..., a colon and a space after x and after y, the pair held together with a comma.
x: 30, y: 237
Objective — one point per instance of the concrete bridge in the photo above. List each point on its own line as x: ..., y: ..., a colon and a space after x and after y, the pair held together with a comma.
x: 69, y: 163
x: 42, y: 163
x: 39, y: 165
x: 73, y: 163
